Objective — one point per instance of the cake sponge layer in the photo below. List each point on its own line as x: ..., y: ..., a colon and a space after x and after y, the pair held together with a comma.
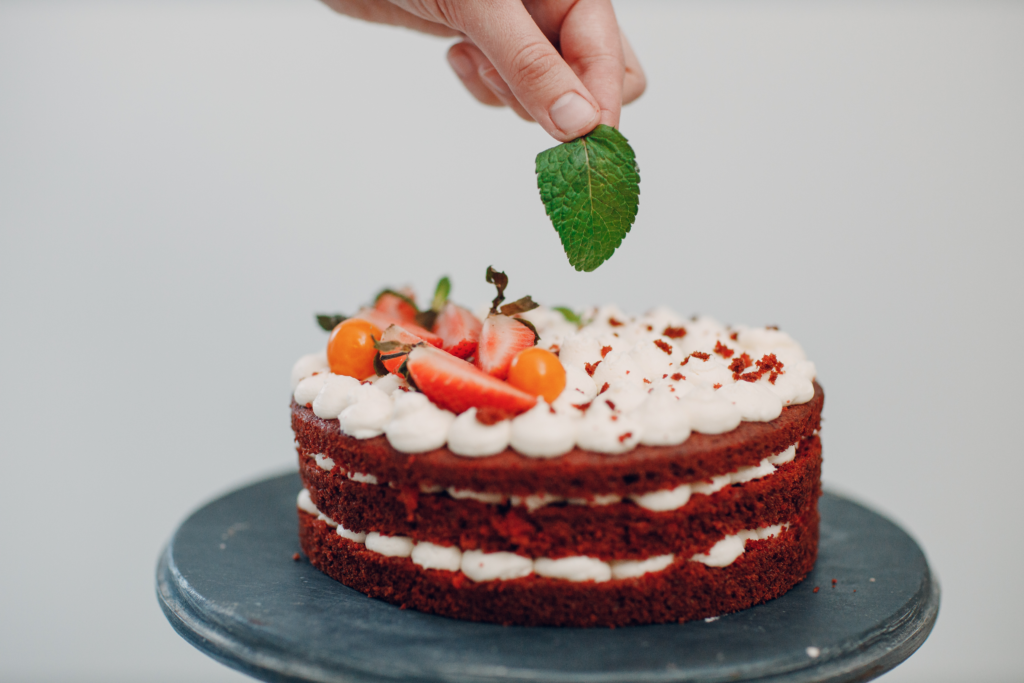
x: 683, y: 591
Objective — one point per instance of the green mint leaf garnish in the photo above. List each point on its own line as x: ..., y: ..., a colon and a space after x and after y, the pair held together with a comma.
x: 427, y: 318
x: 569, y: 315
x: 329, y: 322
x: 591, y: 191
x: 444, y: 288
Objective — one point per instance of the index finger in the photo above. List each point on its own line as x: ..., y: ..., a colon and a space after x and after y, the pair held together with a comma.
x: 591, y: 44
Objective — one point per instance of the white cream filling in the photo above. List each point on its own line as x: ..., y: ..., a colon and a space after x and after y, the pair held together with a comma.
x: 630, y: 569
x: 433, y: 556
x: 490, y: 498
x: 479, y: 566
x: 660, y: 391
x: 578, y: 568
x: 390, y: 546
x: 305, y: 503
x: 725, y: 552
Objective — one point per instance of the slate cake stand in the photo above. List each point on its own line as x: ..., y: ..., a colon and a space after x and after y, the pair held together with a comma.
x: 228, y: 584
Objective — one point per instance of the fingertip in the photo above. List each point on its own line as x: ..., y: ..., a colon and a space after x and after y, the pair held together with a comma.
x: 461, y: 63
x: 573, y: 115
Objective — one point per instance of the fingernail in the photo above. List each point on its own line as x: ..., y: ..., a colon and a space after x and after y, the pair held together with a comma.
x: 571, y: 112
x: 461, y: 64
x: 494, y: 81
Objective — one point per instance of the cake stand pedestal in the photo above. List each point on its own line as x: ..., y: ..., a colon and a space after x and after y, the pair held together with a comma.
x: 228, y: 584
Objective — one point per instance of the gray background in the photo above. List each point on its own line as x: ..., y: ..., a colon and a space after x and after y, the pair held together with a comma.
x: 183, y: 184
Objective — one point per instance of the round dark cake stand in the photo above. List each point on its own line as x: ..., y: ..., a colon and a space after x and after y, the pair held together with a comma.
x: 229, y: 585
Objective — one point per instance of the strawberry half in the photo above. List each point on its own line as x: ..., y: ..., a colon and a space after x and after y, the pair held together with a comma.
x: 459, y: 329
x: 397, y: 304
x: 393, y: 360
x: 501, y: 338
x: 385, y: 320
x: 456, y: 385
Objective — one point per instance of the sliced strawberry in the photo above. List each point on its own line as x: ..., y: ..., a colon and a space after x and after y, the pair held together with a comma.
x: 456, y: 385
x: 393, y: 360
x: 459, y: 329
x: 502, y: 338
x: 390, y: 303
x: 384, y: 321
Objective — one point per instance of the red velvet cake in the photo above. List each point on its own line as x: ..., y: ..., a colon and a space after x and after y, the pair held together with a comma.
x: 533, y: 466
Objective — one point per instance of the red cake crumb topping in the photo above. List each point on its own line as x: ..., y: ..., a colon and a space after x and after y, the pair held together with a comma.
x: 701, y: 355
x: 717, y: 386
x: 664, y: 346
x: 605, y: 350
x: 604, y: 388
x: 768, y: 365
x: 623, y: 437
x: 582, y: 406
x: 674, y: 332
x: 734, y: 336
x: 610, y: 404
x: 678, y: 376
x: 723, y: 350
x: 591, y: 367
x: 615, y: 323
x: 739, y: 364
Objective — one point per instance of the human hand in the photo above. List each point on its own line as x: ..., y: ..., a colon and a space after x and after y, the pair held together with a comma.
x: 562, y: 63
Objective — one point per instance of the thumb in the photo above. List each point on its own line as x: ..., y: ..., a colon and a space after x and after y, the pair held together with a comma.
x: 546, y: 86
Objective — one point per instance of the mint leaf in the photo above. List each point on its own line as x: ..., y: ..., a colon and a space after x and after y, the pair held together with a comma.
x: 570, y: 315
x: 444, y: 288
x: 591, y: 191
x: 330, y: 321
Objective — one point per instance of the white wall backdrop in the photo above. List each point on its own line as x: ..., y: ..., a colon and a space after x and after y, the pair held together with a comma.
x: 183, y: 184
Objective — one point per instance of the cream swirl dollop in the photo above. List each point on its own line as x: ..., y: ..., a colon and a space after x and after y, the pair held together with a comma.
x: 542, y: 433
x: 471, y: 438
x: 417, y: 424
x: 369, y: 412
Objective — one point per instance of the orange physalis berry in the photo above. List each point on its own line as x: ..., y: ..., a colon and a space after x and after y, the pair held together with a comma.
x: 350, y: 349
x: 539, y: 372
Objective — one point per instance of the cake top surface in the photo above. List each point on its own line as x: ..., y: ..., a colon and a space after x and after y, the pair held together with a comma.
x: 545, y: 381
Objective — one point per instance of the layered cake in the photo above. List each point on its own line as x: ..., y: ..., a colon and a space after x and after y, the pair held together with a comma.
x: 539, y: 466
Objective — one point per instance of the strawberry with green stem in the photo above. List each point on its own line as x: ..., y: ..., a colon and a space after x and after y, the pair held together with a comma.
x: 503, y: 335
